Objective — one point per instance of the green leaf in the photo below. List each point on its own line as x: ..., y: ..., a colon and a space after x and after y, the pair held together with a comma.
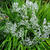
x: 45, y: 45
x: 38, y: 47
x: 48, y: 41
x: 20, y: 47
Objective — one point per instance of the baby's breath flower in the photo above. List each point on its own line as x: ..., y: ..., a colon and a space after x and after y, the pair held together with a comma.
x: 28, y: 3
x: 34, y: 20
x: 46, y: 29
x: 29, y: 22
x: 20, y: 33
x: 48, y: 24
x: 27, y: 41
x: 32, y: 5
x: 13, y: 28
x: 15, y: 5
x: 44, y: 22
x: 35, y: 6
x: 10, y: 28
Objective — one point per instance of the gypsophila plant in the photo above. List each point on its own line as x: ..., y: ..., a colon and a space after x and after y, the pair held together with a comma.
x: 25, y: 25
x: 29, y: 22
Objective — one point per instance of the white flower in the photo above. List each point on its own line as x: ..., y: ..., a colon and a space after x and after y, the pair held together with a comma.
x: 24, y: 9
x: 32, y: 5
x: 18, y: 9
x: 29, y: 3
x: 35, y: 5
x: 44, y: 22
x: 28, y: 23
x: 20, y: 33
x: 15, y: 5
x: 27, y: 41
x: 10, y: 28
x: 13, y: 28
x: 34, y: 20
x: 46, y: 29
x: 49, y: 25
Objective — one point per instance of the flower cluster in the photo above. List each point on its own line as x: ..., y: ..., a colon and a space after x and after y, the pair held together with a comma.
x: 28, y: 28
x: 46, y: 29
x: 10, y: 28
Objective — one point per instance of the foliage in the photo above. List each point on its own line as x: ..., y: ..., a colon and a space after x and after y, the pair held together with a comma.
x: 24, y: 25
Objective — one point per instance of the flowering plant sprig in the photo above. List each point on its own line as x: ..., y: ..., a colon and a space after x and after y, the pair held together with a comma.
x: 28, y: 28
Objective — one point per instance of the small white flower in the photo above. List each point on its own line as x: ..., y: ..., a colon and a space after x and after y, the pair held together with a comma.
x: 27, y: 41
x: 46, y: 29
x: 13, y: 28
x: 15, y: 5
x: 10, y: 28
x: 18, y: 9
x: 44, y: 22
x: 29, y: 3
x: 35, y: 5
x: 20, y: 33
x: 27, y: 23
x: 34, y: 20
x: 49, y: 25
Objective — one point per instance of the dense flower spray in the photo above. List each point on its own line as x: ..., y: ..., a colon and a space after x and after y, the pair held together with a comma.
x: 28, y: 28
